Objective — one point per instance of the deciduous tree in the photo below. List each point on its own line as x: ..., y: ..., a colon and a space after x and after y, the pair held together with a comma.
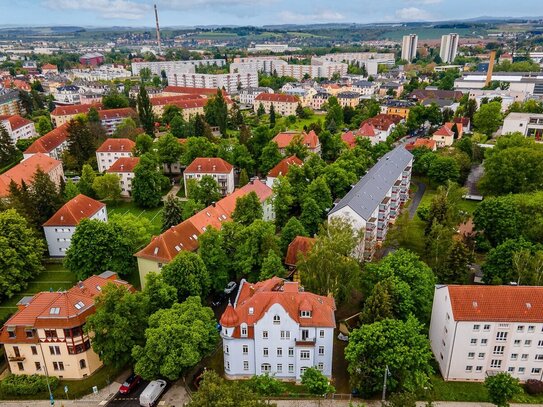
x: 145, y: 111
x: 158, y: 294
x: 188, y: 274
x: 502, y: 387
x: 107, y: 187
x: 172, y: 214
x: 248, y: 209
x: 212, y: 253
x: 148, y: 182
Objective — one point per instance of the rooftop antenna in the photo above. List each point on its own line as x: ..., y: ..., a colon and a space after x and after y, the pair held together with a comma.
x: 158, y: 32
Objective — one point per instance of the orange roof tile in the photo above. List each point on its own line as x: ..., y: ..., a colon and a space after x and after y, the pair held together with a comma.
x: 496, y: 303
x: 211, y: 165
x: 47, y: 67
x: 283, y: 166
x: 75, y: 210
x: 123, y: 112
x: 366, y: 130
x: 422, y: 142
x: 16, y: 121
x: 124, y: 164
x: 276, y: 97
x: 184, y: 104
x: 49, y: 141
x: 382, y: 121
x: 310, y: 140
x: 75, y: 109
x: 300, y: 245
x: 349, y: 138
x: 229, y: 317
x: 116, y: 145
x: 445, y: 130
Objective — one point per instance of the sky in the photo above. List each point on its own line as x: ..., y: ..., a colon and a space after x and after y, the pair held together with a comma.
x: 253, y: 12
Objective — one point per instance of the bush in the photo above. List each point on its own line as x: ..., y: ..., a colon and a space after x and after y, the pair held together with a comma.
x: 26, y: 385
x: 533, y: 386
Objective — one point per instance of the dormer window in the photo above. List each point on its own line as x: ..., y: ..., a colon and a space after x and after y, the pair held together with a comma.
x: 276, y: 319
x: 305, y: 314
x: 251, y: 310
x: 54, y: 311
x: 244, y: 330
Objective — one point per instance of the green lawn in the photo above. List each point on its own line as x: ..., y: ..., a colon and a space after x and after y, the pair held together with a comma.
x: 123, y: 208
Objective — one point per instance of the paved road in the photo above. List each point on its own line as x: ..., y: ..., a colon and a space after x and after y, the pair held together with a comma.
x: 128, y: 400
x: 416, y: 199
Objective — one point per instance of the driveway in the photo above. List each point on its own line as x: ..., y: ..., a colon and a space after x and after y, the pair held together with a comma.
x: 415, y: 202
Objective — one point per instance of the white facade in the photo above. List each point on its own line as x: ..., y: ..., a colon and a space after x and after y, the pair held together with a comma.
x: 230, y: 81
x: 449, y: 47
x: 224, y: 180
x: 178, y: 67
x: 529, y: 124
x: 471, y: 350
x: 106, y: 159
x: 68, y: 95
x: 102, y: 73
x: 25, y: 130
x: 409, y: 47
x: 247, y: 96
x: 126, y: 178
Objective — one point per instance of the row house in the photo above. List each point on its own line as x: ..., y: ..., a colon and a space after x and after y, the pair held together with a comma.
x: 18, y: 127
x: 217, y: 168
x: 478, y: 331
x: 284, y: 105
x: 60, y: 228
x: 111, y: 150
x: 309, y: 140
x: 46, y: 335
x: 275, y: 327
x: 63, y: 114
x: 51, y: 144
x: 281, y: 169
x: 124, y: 169
x: 26, y: 169
x: 111, y: 118
x: 163, y: 248
x: 375, y: 201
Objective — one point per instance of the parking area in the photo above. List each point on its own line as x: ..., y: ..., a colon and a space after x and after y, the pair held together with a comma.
x: 128, y: 400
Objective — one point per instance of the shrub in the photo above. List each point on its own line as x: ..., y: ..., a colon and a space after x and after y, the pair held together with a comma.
x: 533, y: 386
x: 25, y: 385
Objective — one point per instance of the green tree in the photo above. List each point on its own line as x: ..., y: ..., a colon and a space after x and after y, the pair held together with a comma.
x: 400, y: 345
x: 20, y: 253
x: 188, y: 274
x: 443, y: 169
x: 81, y: 141
x: 190, y: 207
x: 114, y: 100
x: 297, y: 147
x: 216, y: 112
x: 266, y: 385
x: 176, y: 340
x: 118, y: 312
x: 498, y: 267
x: 339, y: 180
x: 45, y: 197
x: 282, y: 200
x: 334, y: 113
x: 70, y: 190
x: 272, y: 266
x: 291, y: 229
x: 253, y: 245
x: 261, y: 111
x: 205, y: 191
x: 144, y: 145
x: 93, y: 116
x: 43, y: 125
x: 248, y: 209
x: 272, y: 116
x: 148, y: 182
x: 169, y: 150
x: 378, y: 306
x: 158, y: 294
x: 198, y: 147
x: 212, y: 253
x: 170, y: 112
x: 172, y: 214
x: 311, y: 215
x: 317, y: 383
x: 145, y: 111
x: 243, y: 178
x: 457, y: 264
x: 498, y: 219
x: 127, y: 129
x: 502, y: 387
x: 270, y: 157
x: 488, y: 118
x: 86, y: 181
x: 107, y: 187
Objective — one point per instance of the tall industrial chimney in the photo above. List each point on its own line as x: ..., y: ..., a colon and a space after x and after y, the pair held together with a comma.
x: 158, y: 32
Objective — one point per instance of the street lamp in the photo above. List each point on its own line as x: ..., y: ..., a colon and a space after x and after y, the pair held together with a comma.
x: 386, y: 375
x: 52, y: 400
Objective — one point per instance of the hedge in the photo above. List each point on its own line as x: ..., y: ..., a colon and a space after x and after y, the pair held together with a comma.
x: 26, y: 385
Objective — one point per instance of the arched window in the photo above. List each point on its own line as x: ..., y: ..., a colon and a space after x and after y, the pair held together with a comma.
x: 265, y: 368
x: 82, y: 364
x: 276, y: 319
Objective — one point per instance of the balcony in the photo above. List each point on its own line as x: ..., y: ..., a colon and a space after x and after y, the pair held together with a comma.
x: 306, y: 342
x: 16, y: 358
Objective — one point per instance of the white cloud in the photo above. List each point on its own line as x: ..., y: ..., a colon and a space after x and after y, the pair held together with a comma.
x: 190, y: 4
x: 424, y: 1
x: 122, y: 9
x: 412, y: 14
x: 301, y: 18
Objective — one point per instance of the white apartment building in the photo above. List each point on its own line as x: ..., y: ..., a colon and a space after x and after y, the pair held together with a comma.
x: 60, y: 228
x: 529, y: 124
x: 111, y: 118
x: 217, y: 168
x: 365, y: 88
x: 18, y: 127
x: 67, y: 95
x: 101, y: 73
x: 409, y: 47
x: 371, y: 60
x: 247, y: 96
x: 232, y: 82
x: 124, y: 168
x: 449, y: 47
x: 477, y: 331
x: 111, y: 150
x: 279, y: 48
x: 52, y: 144
x: 180, y: 67
x: 284, y: 105
x: 277, y: 328
x: 376, y: 199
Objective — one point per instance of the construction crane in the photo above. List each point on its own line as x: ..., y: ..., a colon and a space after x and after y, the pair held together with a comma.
x: 490, y: 69
x: 158, y: 32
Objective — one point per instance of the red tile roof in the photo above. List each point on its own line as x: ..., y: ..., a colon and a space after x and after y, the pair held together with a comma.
x: 209, y: 166
x: 49, y: 67
x: 16, y: 83
x: 422, y: 142
x: 49, y: 141
x: 300, y: 245
x: 382, y: 121
x: 74, y: 109
x: 310, y: 140
x: 444, y: 131
x: 367, y: 130
x: 16, y: 121
x: 283, y: 166
x: 117, y: 113
x: 124, y: 164
x: 116, y: 145
x: 261, y: 296
x: 496, y: 303
x: 25, y: 170
x: 75, y: 210
x: 276, y: 97
x: 349, y: 138
x: 184, y: 236
x: 169, y: 100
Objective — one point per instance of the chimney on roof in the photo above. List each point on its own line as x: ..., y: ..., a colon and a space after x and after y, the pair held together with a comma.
x: 213, y: 203
x: 251, y: 290
x: 214, y: 167
x: 199, y: 167
x: 122, y: 166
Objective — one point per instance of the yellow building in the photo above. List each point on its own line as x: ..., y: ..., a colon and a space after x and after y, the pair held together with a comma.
x: 46, y: 335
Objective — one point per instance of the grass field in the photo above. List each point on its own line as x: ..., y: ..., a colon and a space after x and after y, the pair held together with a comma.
x: 123, y: 208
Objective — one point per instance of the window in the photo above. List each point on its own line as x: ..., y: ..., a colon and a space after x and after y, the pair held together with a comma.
x: 58, y: 365
x: 226, y: 350
x: 38, y: 366
x: 321, y: 333
x: 539, y: 357
x: 540, y: 344
x: 276, y: 319
x: 473, y: 341
x: 264, y: 334
x: 321, y: 350
x: 82, y: 363
x: 305, y: 334
x: 291, y: 351
x: 524, y: 356
x: 481, y: 355
x: 285, y: 334
x: 511, y: 369
x: 227, y: 366
x: 51, y: 333
x: 536, y: 370
x: 265, y: 352
x: 469, y: 368
x: 291, y: 368
x: 517, y: 342
x: 484, y: 342
x: 20, y: 366
x: 476, y: 327
x: 245, y: 349
x: 245, y: 365
x: 501, y: 336
x: 243, y: 330
x: 527, y: 342
x: 514, y: 356
x: 302, y: 370
x: 531, y: 329
x: 495, y: 363
x: 471, y: 355
x: 486, y: 327
x: 54, y: 350
x: 265, y: 368
x: 34, y: 350
x: 29, y: 333
x: 279, y: 352
x: 304, y: 355
x: 305, y: 314
x: 520, y: 328
x: 498, y: 350
x: 279, y: 368
x: 521, y: 370
x: 320, y: 366
x: 479, y: 369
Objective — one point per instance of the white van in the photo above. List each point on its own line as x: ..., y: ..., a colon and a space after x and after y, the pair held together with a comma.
x: 152, y: 392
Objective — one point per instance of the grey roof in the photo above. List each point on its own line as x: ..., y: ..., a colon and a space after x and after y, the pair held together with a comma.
x: 372, y: 188
x: 7, y: 95
x: 25, y: 300
x: 106, y: 274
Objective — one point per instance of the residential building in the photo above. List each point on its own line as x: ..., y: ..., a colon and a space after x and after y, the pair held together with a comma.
x: 449, y: 47
x: 375, y: 200
x: 365, y: 88
x: 276, y: 327
x: 247, y: 96
x: 60, y: 228
x: 378, y: 128
x: 51, y: 144
x: 310, y: 140
x: 229, y: 81
x: 49, y: 69
x: 179, y: 67
x: 529, y: 124
x: 111, y: 150
x: 124, y: 169
x: 197, y: 92
x: 190, y: 105
x: 445, y: 135
x: 284, y: 105
x: 67, y: 95
x: 46, y: 334
x: 63, y: 114
x: 465, y: 122
x: 109, y: 72
x: 163, y: 248
x: 281, y: 169
x: 92, y: 59
x: 298, y: 248
x: 351, y: 99
x: 397, y: 107
x: 478, y: 331
x: 111, y: 118
x: 10, y: 103
x: 26, y: 169
x: 421, y: 95
x: 318, y: 99
x: 394, y: 89
x: 349, y: 138
x: 422, y: 142
x: 216, y: 168
x: 18, y: 127
x: 409, y: 47
x: 279, y: 48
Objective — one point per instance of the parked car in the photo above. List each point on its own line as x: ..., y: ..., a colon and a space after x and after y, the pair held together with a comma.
x: 152, y: 393
x: 231, y: 286
x: 343, y: 337
x: 130, y: 383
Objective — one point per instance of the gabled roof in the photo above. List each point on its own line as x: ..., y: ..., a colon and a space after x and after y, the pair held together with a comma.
x: 421, y: 94
x: 276, y: 97
x: 48, y: 67
x: 444, y: 131
x: 283, y: 166
x: 124, y: 164
x: 211, y: 165
x: 74, y: 211
x: 74, y: 109
x: 16, y: 121
x: 300, y: 245
x: 310, y: 140
x: 117, y: 145
x: 171, y: 100
x: 496, y: 303
x: 182, y: 103
x: 422, y: 142
x: 49, y: 141
x: 382, y: 121
x: 122, y: 112
x: 372, y: 188
x: 349, y: 138
x: 366, y: 130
